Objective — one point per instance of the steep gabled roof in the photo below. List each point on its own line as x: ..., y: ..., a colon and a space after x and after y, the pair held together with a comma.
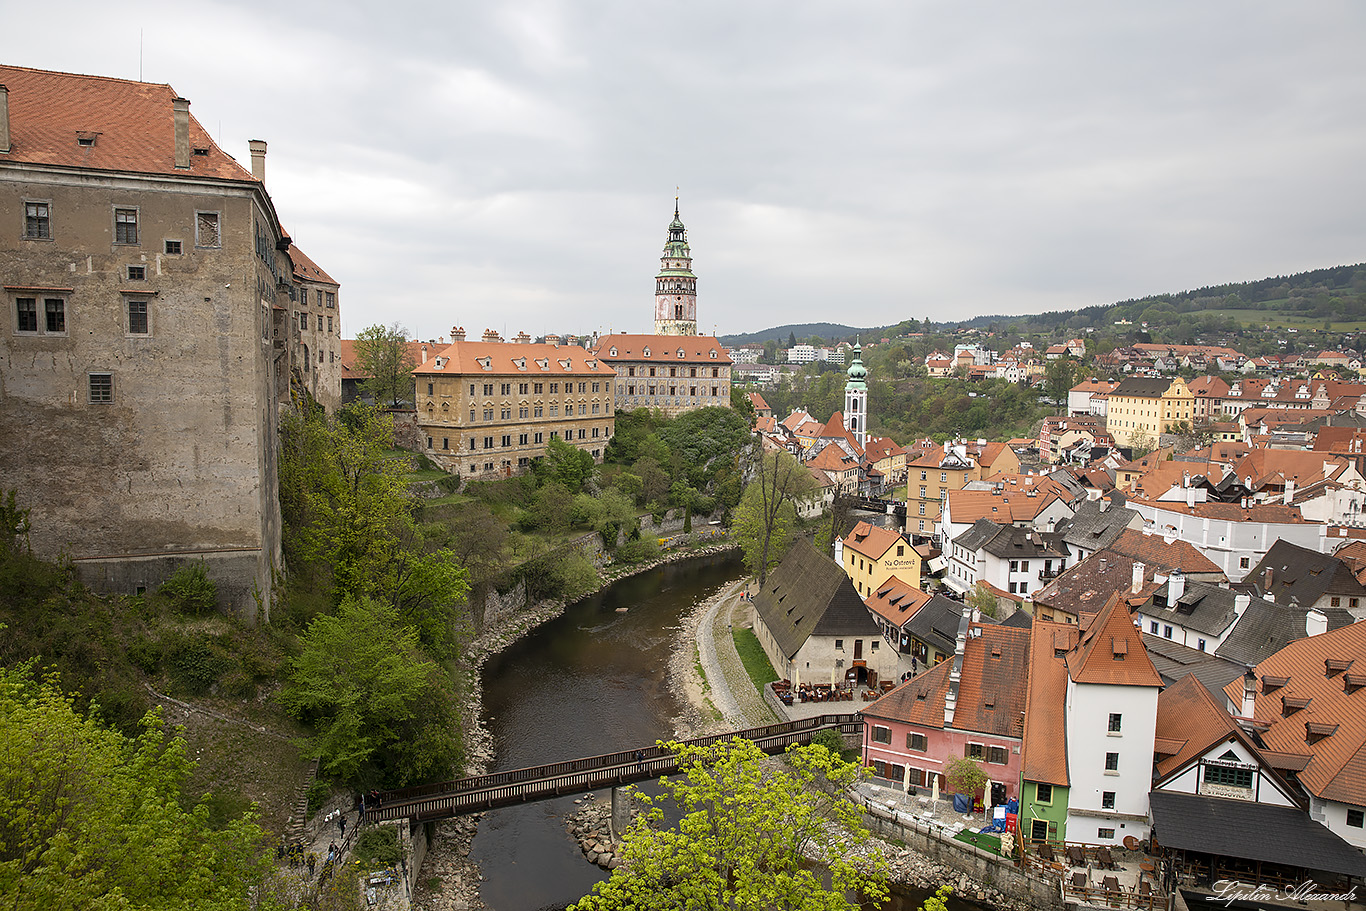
x: 663, y: 349
x: 1266, y: 627
x: 1156, y: 552
x: 1302, y: 576
x: 896, y: 601
x: 1043, y: 755
x: 918, y: 701
x: 872, y: 541
x: 1322, y: 686
x: 131, y: 125
x: 1111, y: 650
x: 990, y: 698
x: 1174, y: 661
x: 809, y: 595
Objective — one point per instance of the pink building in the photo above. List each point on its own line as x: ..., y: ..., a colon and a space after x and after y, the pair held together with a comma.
x: 971, y: 706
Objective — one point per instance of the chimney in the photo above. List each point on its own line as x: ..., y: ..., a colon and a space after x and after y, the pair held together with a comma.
x: 1103, y: 561
x: 1176, y: 586
x: 457, y: 333
x: 4, y: 119
x: 1241, y: 602
x: 1139, y: 571
x: 523, y: 338
x: 180, y: 108
x: 1315, y: 623
x: 1249, y: 693
x: 258, y: 159
x: 1289, y: 492
x: 1104, y: 504
x: 424, y: 354
x: 491, y: 336
x: 1266, y: 579
x: 552, y: 340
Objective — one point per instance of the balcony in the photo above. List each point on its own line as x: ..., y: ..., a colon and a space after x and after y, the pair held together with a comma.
x: 1046, y: 574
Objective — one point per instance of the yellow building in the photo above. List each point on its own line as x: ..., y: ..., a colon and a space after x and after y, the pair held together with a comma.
x: 871, y: 555
x: 1143, y: 408
x: 490, y: 407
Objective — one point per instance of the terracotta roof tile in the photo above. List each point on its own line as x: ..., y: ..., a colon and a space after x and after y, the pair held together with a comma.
x: 872, y: 541
x: 896, y: 602
x: 919, y: 700
x: 131, y: 123
x: 513, y: 358
x: 1338, y: 768
x: 663, y: 349
x: 990, y: 698
x: 305, y: 269
x: 1111, y: 650
x: 1043, y: 755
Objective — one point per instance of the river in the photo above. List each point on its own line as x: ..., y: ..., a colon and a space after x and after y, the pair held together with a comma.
x: 593, y: 680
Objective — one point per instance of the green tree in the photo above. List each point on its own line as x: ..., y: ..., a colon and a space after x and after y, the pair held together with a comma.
x: 350, y: 518
x: 565, y: 464
x: 763, y: 520
x: 981, y: 598
x: 1059, y: 377
x: 965, y: 776
x: 90, y: 819
x: 381, y: 710
x: 744, y: 837
x: 383, y: 356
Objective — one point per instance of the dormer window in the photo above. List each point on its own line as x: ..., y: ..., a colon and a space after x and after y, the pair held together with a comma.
x: 1334, y: 666
x: 1271, y: 684
x: 680, y: 352
x: 1316, y: 731
x: 713, y: 354
x: 85, y: 139
x: 1292, y: 704
x: 201, y: 152
x: 646, y: 352
x: 612, y: 352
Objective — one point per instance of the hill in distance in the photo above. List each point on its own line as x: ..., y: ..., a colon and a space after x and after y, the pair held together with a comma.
x: 1338, y: 292
x: 780, y: 334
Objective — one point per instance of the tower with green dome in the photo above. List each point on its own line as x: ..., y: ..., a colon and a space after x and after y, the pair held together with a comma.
x: 856, y: 399
x: 675, y: 285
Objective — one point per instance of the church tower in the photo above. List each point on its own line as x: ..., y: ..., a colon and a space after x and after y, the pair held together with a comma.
x: 675, y: 285
x: 856, y: 399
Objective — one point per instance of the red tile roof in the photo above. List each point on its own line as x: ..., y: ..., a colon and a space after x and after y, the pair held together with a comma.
x: 1156, y: 552
x: 1043, y: 756
x: 305, y: 269
x: 871, y: 540
x: 1111, y: 650
x: 132, y: 124
x: 896, y: 601
x: 663, y: 349
x: 522, y: 359
x: 919, y: 700
x: 1338, y: 768
x: 990, y: 698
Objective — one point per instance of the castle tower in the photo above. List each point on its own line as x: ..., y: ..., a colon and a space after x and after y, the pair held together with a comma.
x: 856, y: 400
x: 675, y: 285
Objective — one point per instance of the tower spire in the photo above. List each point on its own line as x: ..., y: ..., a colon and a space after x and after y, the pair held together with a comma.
x: 675, y: 285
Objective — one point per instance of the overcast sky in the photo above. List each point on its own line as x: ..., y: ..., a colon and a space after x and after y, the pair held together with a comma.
x: 512, y: 165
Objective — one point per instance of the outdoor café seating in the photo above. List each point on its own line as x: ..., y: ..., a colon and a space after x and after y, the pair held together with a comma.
x: 1076, y: 856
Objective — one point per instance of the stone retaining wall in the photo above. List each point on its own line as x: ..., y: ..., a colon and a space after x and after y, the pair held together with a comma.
x: 988, y: 870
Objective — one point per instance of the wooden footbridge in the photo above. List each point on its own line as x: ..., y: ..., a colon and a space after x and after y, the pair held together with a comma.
x: 445, y: 799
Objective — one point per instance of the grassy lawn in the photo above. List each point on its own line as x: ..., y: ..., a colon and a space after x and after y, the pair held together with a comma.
x: 899, y: 493
x: 990, y: 843
x: 1280, y: 320
x: 752, y: 656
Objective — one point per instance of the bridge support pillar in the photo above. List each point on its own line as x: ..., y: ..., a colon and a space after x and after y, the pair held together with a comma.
x: 621, y: 812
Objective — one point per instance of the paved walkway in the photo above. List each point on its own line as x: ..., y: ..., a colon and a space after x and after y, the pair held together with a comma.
x: 732, y: 692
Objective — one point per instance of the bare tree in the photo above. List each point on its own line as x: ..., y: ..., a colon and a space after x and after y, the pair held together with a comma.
x: 768, y: 507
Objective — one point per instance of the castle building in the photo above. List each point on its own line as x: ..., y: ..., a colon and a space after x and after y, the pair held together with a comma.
x: 148, y: 346
x: 488, y: 408
x: 675, y: 369
x: 675, y: 285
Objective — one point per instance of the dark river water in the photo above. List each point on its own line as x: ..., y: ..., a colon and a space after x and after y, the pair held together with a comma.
x: 592, y: 681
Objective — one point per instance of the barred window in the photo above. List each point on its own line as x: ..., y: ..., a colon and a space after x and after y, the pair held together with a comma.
x: 101, y: 387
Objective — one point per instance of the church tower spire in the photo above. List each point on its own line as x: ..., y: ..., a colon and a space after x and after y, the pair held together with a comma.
x: 856, y: 399
x: 675, y: 285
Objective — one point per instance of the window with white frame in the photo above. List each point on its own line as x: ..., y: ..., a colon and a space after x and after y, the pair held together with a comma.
x: 126, y: 226
x: 882, y: 734
x: 37, y: 220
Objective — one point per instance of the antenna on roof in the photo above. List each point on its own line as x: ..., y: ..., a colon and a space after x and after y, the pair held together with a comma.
x: 139, y: 55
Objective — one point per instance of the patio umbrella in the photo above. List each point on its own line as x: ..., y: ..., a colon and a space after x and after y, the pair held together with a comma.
x: 934, y: 791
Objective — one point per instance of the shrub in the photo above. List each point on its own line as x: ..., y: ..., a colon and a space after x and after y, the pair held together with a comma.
x: 377, y: 847
x: 638, y: 551
x: 191, y: 590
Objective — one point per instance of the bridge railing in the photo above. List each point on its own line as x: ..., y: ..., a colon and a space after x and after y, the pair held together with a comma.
x: 656, y: 761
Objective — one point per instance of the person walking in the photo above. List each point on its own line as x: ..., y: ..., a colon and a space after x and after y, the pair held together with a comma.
x: 341, y: 825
